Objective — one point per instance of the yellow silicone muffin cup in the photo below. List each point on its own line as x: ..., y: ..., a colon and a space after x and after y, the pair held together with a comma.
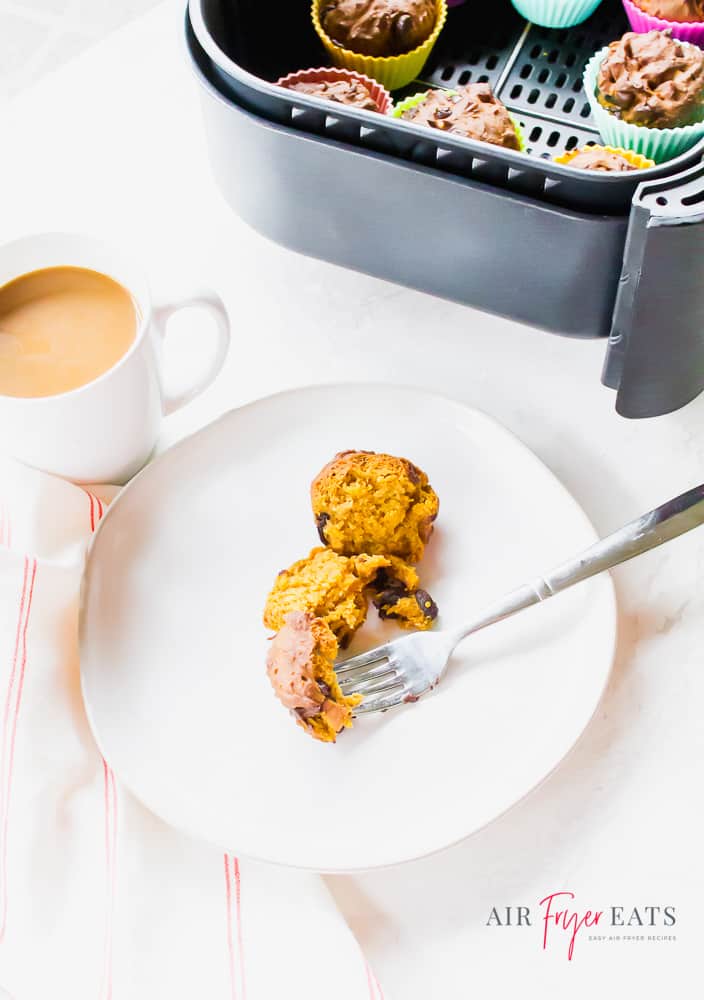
x: 416, y: 99
x: 393, y: 72
x: 637, y: 159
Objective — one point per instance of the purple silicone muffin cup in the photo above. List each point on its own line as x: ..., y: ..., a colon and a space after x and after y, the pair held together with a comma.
x: 686, y: 31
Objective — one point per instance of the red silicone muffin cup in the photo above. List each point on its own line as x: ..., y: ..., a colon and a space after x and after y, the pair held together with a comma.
x: 686, y: 31
x: 330, y: 74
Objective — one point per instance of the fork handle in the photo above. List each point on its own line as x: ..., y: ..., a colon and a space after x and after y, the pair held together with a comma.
x: 647, y: 532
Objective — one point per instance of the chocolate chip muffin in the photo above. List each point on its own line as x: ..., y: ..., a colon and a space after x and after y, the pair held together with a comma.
x: 300, y: 667
x: 471, y: 111
x: 364, y: 502
x: 350, y: 92
x: 328, y: 586
x: 652, y: 80
x: 378, y: 27
x: 398, y: 596
x: 673, y: 10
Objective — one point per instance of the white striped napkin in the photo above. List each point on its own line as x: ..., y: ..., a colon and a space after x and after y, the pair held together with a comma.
x: 99, y: 898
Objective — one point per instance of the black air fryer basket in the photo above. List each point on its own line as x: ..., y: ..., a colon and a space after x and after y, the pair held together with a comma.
x: 578, y: 253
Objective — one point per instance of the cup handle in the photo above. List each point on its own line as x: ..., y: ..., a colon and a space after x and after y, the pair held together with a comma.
x: 210, y: 302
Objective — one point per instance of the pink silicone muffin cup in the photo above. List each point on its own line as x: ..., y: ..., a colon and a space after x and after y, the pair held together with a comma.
x: 329, y: 74
x: 686, y: 31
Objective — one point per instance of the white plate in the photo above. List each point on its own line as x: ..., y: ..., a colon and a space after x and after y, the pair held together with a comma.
x: 173, y: 647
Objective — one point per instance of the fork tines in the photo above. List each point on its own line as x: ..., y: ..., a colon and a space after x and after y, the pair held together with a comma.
x: 382, y: 680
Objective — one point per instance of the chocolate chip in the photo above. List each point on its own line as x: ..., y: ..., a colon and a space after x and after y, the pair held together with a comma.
x: 414, y: 473
x: 320, y: 522
x: 426, y: 604
x: 440, y: 113
x: 387, y: 599
x: 403, y: 29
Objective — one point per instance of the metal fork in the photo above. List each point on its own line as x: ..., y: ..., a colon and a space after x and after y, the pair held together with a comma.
x: 400, y: 672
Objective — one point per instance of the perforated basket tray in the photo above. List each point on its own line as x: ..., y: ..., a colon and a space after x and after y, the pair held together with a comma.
x: 537, y: 73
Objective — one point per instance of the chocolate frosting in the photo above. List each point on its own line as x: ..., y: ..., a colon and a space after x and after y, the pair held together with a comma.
x: 652, y: 79
x: 673, y: 10
x: 350, y: 92
x: 596, y: 158
x: 473, y: 111
x: 289, y: 665
x: 378, y: 27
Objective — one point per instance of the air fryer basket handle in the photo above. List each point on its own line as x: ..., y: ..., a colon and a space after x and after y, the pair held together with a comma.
x: 655, y: 357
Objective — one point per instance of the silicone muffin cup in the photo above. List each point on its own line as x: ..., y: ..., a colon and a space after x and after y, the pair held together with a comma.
x: 556, y: 13
x: 416, y: 99
x: 393, y: 72
x: 686, y: 31
x: 331, y: 74
x: 658, y: 144
x: 638, y: 161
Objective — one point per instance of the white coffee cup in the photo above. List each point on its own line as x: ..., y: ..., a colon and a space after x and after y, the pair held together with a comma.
x: 104, y: 431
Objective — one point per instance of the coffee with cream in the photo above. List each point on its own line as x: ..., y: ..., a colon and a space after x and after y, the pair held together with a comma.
x: 60, y: 328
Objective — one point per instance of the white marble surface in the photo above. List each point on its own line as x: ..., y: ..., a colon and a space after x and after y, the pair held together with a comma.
x: 37, y: 36
x: 619, y: 823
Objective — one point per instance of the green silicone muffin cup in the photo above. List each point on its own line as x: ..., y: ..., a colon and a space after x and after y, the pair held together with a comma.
x: 659, y: 144
x: 416, y: 99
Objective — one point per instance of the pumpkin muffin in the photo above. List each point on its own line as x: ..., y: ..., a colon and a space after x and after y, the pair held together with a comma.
x: 328, y: 586
x: 376, y: 504
x: 398, y: 596
x: 300, y: 667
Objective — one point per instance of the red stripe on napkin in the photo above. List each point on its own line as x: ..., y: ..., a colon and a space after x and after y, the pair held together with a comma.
x: 110, y: 804
x: 96, y: 509
x: 13, y: 700
x: 230, y: 942
x: 375, y: 991
x: 110, y: 824
x: 238, y: 900
x: 233, y: 892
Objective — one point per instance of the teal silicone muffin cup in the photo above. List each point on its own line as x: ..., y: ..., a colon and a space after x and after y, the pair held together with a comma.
x: 556, y: 13
x: 416, y: 99
x: 659, y: 144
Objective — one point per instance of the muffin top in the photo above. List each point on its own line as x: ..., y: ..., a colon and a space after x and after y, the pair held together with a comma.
x: 381, y: 505
x: 674, y: 10
x: 598, y: 158
x: 352, y: 92
x: 378, y: 27
x: 472, y: 111
x: 652, y: 79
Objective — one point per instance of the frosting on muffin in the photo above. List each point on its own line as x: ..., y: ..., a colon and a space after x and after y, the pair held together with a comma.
x: 652, y: 79
x: 598, y: 158
x: 472, y: 111
x: 351, y: 92
x: 673, y: 10
x: 378, y: 27
x: 300, y: 666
